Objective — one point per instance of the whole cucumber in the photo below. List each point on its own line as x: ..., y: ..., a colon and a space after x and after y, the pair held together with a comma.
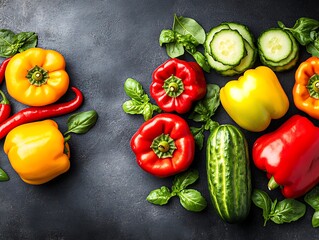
x: 228, y: 173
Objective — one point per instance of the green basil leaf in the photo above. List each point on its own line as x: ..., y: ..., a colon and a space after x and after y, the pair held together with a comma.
x: 82, y: 122
x: 288, y: 210
x: 262, y: 200
x: 182, y: 180
x: 198, y: 134
x: 202, y: 61
x: 156, y: 108
x: 159, y: 196
x: 26, y: 40
x: 192, y: 200
x: 134, y: 90
x: 315, y: 219
x: 6, y: 41
x: 313, y: 48
x: 174, y: 49
x: 189, y: 26
x: 210, y: 125
x: 200, y: 113
x: 302, y: 28
x: 3, y: 175
x: 312, y: 198
x: 166, y: 36
x: 147, y: 111
x: 133, y: 107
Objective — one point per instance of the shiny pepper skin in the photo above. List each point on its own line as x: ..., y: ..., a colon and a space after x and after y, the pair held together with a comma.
x: 37, y: 151
x: 37, y: 77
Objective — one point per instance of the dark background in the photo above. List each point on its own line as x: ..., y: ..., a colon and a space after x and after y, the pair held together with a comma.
x: 103, y: 194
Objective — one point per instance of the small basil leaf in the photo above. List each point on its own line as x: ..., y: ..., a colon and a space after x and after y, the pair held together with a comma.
x: 288, y: 210
x: 189, y: 26
x: 159, y: 196
x: 133, y: 107
x: 166, y: 36
x: 3, y: 175
x: 156, y: 108
x: 202, y: 61
x: 315, y: 219
x: 210, y: 125
x: 262, y: 200
x: 6, y: 40
x: 174, y: 49
x: 312, y: 198
x: 182, y: 180
x: 200, y: 113
x: 147, y: 111
x: 27, y: 40
x: 313, y: 48
x: 198, y: 134
x: 82, y: 122
x: 192, y: 200
x: 134, y: 90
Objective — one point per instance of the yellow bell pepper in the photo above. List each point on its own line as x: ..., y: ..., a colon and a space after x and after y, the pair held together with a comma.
x: 37, y: 151
x: 37, y: 77
x: 254, y: 99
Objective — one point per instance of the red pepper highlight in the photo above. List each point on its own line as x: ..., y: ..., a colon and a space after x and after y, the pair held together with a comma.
x: 39, y: 113
x: 3, y: 67
x: 177, y: 84
x: 290, y: 156
x: 5, y: 108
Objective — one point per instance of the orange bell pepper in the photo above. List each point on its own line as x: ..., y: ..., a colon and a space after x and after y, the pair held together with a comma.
x: 306, y: 89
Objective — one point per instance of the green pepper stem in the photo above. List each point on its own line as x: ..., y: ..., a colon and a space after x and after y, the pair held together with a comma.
x: 4, y: 98
x: 272, y: 184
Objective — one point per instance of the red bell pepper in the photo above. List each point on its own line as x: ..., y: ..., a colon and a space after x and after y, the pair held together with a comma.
x: 176, y: 84
x: 290, y: 156
x: 164, y: 145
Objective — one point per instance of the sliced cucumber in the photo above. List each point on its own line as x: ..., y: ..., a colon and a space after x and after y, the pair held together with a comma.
x: 275, y: 44
x: 210, y: 36
x: 243, y: 31
x: 227, y: 47
x: 215, y: 64
x: 249, y: 60
x: 229, y: 72
x: 287, y: 66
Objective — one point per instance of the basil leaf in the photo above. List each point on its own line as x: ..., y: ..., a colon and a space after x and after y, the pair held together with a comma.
x: 174, y: 49
x: 192, y: 200
x: 262, y: 200
x: 315, y: 219
x: 6, y: 38
x: 134, y: 90
x: 302, y: 28
x: 82, y: 122
x: 313, y: 48
x: 147, y: 111
x: 133, y: 107
x: 287, y: 211
x: 27, y: 40
x: 182, y: 180
x: 202, y: 61
x: 166, y: 36
x: 189, y: 26
x: 200, y: 113
x: 3, y: 175
x: 312, y: 198
x: 159, y: 196
x: 198, y: 134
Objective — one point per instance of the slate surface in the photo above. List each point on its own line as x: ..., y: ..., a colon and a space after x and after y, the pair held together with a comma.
x: 103, y: 194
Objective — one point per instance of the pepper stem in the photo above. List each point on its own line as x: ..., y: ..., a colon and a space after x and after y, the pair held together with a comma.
x: 272, y: 184
x: 173, y: 86
x: 163, y: 146
x: 313, y: 86
x: 37, y: 76
x: 4, y: 98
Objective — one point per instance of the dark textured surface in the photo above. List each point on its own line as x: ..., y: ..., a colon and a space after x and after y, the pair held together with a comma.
x: 103, y: 194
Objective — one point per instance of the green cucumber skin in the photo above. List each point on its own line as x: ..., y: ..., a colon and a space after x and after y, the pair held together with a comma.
x: 228, y: 173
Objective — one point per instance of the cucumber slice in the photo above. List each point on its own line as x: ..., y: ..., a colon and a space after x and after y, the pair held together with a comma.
x: 249, y: 60
x: 287, y: 66
x: 229, y: 72
x: 227, y: 47
x: 293, y: 54
x: 210, y: 36
x: 243, y: 31
x: 216, y: 65
x: 275, y: 44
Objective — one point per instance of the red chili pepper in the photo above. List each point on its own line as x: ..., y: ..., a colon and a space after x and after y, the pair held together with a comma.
x: 38, y: 113
x: 5, y: 108
x: 3, y: 67
x: 290, y: 156
x: 177, y: 84
x: 164, y: 145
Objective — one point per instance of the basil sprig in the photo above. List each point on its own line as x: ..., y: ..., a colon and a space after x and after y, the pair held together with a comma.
x: 3, y: 176
x: 140, y: 102
x: 186, y: 34
x: 190, y: 199
x: 306, y: 32
x: 11, y: 43
x: 202, y: 113
x: 80, y: 123
x: 285, y: 211
x: 312, y: 198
